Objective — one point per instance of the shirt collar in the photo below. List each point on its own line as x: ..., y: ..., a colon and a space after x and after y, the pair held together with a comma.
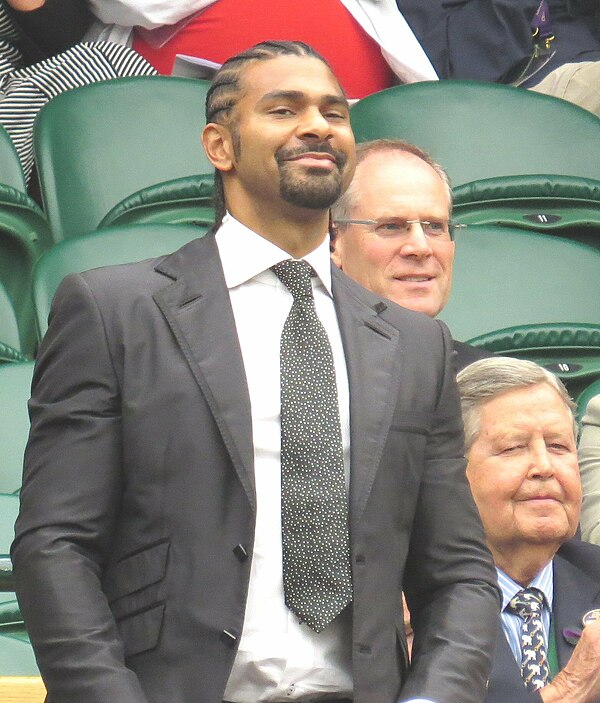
x: 544, y: 580
x: 245, y: 255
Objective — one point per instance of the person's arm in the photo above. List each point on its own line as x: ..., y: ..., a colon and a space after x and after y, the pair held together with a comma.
x: 52, y: 26
x: 145, y: 13
x: 70, y: 496
x: 589, y: 466
x: 450, y: 579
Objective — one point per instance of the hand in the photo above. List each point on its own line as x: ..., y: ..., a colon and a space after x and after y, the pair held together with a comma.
x: 579, y: 681
x: 26, y: 5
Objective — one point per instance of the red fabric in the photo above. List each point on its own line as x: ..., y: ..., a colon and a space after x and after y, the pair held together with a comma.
x: 230, y: 26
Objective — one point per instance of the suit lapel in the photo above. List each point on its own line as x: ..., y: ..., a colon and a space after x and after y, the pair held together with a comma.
x: 371, y: 348
x: 575, y: 592
x: 196, y: 306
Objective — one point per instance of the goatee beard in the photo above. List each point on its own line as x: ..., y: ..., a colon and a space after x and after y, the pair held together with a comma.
x: 317, y: 188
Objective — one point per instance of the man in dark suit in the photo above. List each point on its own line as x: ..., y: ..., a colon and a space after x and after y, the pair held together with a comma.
x: 155, y: 555
x: 393, y: 231
x: 523, y: 470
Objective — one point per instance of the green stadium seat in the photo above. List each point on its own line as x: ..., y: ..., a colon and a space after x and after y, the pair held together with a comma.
x: 187, y: 200
x: 10, y: 616
x: 123, y: 135
x: 478, y: 130
x: 113, y: 245
x: 565, y: 205
x: 11, y: 172
x: 506, y: 277
x: 15, y: 389
x: 24, y: 235
x: 572, y: 352
x: 10, y: 341
x: 16, y: 659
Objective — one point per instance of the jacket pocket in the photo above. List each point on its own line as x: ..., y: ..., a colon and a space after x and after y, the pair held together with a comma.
x: 140, y: 631
x: 136, y: 571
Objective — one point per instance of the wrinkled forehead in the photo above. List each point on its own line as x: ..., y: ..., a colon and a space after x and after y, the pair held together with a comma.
x: 526, y: 409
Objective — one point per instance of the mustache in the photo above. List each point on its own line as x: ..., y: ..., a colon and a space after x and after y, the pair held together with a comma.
x: 284, y: 154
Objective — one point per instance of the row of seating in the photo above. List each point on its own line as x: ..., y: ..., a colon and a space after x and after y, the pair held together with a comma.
x: 503, y: 148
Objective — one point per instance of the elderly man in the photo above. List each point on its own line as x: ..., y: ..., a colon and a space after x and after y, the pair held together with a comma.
x: 393, y: 231
x: 523, y: 471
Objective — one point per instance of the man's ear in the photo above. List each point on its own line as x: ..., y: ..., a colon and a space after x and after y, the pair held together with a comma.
x: 336, y: 250
x: 218, y: 145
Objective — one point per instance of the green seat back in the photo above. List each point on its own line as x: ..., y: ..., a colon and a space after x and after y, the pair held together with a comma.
x: 16, y: 654
x: 15, y: 389
x: 9, y: 509
x: 571, y: 351
x: 9, y: 329
x: 182, y: 200
x: 11, y: 172
x: 100, y: 143
x: 482, y: 130
x: 24, y: 234
x: 565, y: 205
x: 114, y: 245
x: 504, y: 277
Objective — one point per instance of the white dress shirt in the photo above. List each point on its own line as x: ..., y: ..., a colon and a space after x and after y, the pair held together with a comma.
x: 278, y: 659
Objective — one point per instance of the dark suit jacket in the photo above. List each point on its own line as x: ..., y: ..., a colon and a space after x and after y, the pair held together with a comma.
x: 134, y: 542
x: 465, y: 354
x: 576, y: 590
x: 491, y: 40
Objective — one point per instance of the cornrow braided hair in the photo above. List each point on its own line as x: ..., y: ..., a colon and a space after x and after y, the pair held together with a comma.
x: 225, y: 89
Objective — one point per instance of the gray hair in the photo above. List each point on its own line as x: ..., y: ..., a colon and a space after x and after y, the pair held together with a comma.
x: 487, y: 378
x: 343, y: 207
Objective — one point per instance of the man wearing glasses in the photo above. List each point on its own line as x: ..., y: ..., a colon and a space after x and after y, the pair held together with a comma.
x: 393, y: 231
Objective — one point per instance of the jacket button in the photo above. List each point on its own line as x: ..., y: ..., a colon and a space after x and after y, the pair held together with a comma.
x: 230, y: 638
x: 240, y: 552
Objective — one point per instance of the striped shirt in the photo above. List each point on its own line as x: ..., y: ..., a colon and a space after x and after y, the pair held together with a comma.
x: 24, y: 90
x: 511, y: 623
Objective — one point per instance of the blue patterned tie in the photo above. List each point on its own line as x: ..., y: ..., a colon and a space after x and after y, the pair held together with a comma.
x: 314, y: 508
x: 528, y: 604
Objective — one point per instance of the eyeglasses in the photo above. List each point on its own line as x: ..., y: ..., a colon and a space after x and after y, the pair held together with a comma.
x: 393, y: 228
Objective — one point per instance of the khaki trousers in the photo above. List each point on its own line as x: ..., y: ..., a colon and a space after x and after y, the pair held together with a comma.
x: 578, y: 83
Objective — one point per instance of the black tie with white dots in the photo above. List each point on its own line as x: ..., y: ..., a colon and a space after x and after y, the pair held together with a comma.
x: 317, y: 577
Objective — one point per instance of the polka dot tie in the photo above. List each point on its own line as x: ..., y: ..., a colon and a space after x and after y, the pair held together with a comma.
x: 527, y: 604
x: 314, y: 508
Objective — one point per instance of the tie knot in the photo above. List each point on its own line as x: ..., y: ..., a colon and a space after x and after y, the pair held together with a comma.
x: 295, y: 274
x: 527, y: 603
